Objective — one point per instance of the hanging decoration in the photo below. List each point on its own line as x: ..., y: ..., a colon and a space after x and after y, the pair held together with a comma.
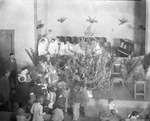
x: 123, y: 21
x: 40, y: 26
x: 141, y: 27
x: 91, y: 20
x: 90, y: 67
x: 62, y: 19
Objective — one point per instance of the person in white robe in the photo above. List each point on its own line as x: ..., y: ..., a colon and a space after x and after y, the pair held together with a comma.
x: 42, y: 46
x: 53, y: 47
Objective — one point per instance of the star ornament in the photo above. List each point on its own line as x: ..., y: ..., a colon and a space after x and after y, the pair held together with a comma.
x: 91, y: 20
x: 62, y: 19
x: 123, y: 21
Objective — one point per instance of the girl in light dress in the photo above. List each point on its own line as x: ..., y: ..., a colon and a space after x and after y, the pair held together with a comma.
x: 37, y: 109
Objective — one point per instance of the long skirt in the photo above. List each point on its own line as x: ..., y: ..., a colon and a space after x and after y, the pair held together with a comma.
x: 76, y: 111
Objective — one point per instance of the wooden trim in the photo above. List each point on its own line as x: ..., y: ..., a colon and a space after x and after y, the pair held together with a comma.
x: 35, y: 25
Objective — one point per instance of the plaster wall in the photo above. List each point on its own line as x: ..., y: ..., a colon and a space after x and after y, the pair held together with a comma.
x: 107, y: 13
x: 42, y: 14
x: 18, y: 15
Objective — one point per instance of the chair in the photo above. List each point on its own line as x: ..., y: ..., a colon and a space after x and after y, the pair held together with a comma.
x: 116, y: 70
x: 140, y: 89
x: 116, y: 74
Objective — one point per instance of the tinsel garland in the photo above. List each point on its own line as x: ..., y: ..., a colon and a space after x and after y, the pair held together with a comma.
x: 96, y: 68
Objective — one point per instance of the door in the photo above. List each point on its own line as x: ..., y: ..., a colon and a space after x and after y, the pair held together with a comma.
x: 6, y: 47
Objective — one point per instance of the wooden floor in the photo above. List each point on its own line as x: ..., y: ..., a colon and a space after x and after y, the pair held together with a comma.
x: 120, y: 92
x: 5, y: 116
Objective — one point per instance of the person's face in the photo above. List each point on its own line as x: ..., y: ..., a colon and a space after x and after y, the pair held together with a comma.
x: 49, y: 32
x: 43, y: 41
x: 25, y: 71
x: 12, y: 56
x: 48, y: 56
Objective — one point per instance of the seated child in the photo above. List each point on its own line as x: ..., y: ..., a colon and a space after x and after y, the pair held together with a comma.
x: 21, y: 115
x: 112, y: 108
x: 133, y: 116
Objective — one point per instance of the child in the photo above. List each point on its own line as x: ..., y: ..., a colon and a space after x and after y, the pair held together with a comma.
x: 76, y: 97
x: 46, y: 109
x: 84, y: 99
x: 59, y: 108
x: 133, y: 116
x: 112, y: 109
x: 21, y: 115
x: 60, y: 102
x: 58, y: 115
x: 37, y: 109
x: 38, y: 88
x: 51, y: 96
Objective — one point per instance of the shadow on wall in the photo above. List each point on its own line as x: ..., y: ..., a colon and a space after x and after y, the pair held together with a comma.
x: 2, y: 66
x: 139, y: 23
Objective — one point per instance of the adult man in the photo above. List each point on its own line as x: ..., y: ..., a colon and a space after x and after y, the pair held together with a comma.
x: 11, y: 66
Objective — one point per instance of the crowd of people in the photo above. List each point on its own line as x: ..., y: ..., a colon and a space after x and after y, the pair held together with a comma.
x: 41, y: 99
x: 44, y: 96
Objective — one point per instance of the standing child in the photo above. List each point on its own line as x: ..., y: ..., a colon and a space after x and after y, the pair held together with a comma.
x: 75, y: 97
x: 51, y: 96
x: 21, y: 115
x: 37, y: 109
x: 59, y: 108
x: 84, y: 99
x: 46, y: 110
x: 112, y: 108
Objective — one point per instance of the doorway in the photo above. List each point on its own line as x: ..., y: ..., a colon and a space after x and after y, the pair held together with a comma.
x: 6, y: 47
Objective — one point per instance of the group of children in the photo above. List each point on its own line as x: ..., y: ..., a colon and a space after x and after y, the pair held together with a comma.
x: 54, y: 104
x: 134, y: 116
x: 42, y: 109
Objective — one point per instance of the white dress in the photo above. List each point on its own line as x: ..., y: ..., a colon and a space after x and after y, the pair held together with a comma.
x: 42, y: 47
x: 53, y: 48
x: 37, y: 111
